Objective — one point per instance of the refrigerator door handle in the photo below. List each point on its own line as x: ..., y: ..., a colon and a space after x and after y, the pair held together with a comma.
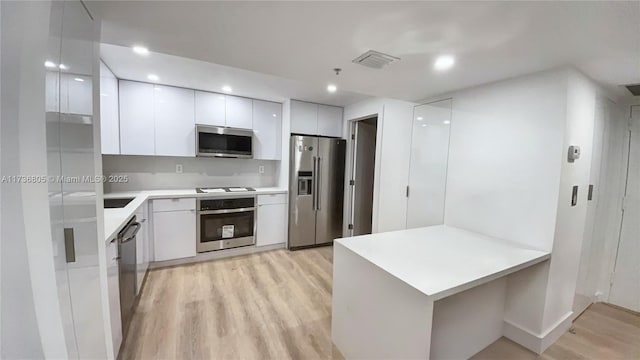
x: 314, y: 186
x: 318, y: 177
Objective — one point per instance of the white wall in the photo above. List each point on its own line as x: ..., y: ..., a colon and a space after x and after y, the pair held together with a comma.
x: 570, y: 224
x: 393, y: 146
x: 159, y: 172
x: 504, y: 159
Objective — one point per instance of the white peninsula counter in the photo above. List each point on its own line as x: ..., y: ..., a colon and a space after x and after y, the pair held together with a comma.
x: 434, y: 292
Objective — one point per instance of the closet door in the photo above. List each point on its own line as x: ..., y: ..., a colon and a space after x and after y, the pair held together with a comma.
x: 428, y: 167
x: 625, y: 287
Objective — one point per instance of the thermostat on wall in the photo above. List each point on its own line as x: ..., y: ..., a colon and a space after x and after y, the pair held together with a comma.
x: 574, y: 153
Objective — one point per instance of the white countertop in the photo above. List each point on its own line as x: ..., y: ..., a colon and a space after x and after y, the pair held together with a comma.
x: 116, y: 219
x: 441, y: 260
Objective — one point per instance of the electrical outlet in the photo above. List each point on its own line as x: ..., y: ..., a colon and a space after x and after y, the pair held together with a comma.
x: 261, y: 169
x: 178, y: 168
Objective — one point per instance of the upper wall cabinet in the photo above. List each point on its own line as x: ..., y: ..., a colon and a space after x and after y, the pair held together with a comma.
x: 174, y: 121
x: 314, y: 119
x: 239, y: 112
x: 109, y: 123
x: 210, y: 108
x: 223, y: 110
x: 137, y: 122
x: 267, y: 130
x: 304, y: 117
x: 160, y: 120
x: 329, y: 120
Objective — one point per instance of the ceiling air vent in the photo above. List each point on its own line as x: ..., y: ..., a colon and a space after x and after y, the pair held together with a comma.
x: 634, y: 89
x: 374, y: 59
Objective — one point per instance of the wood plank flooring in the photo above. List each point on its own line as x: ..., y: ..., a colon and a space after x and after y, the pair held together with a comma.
x: 602, y: 332
x: 270, y: 305
x: 277, y: 305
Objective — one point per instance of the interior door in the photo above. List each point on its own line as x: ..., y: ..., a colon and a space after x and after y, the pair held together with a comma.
x: 364, y: 163
x: 428, y: 167
x: 302, y: 215
x: 625, y: 287
x: 329, y: 189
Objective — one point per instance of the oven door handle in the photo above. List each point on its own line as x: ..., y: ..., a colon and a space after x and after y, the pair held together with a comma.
x: 226, y: 211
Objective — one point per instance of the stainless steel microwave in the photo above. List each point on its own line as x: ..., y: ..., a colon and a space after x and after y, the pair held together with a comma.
x: 224, y: 142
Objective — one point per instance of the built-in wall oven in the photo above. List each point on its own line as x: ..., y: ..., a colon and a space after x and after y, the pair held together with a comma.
x: 225, y: 223
x: 224, y: 142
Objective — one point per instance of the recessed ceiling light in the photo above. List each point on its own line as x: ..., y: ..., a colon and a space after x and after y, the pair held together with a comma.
x: 274, y: 115
x: 49, y: 64
x: 226, y: 88
x: 446, y: 122
x: 141, y: 50
x: 419, y: 118
x: 332, y: 88
x: 424, y: 125
x: 153, y: 77
x: 444, y: 62
x: 63, y: 67
x: 79, y: 79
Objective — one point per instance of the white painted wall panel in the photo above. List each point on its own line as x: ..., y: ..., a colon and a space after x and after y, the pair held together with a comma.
x: 504, y: 160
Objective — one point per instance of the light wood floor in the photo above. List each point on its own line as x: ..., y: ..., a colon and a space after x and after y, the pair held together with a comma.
x: 602, y: 332
x: 277, y: 305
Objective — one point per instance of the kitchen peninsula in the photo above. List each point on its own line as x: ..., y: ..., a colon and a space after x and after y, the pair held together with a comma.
x: 417, y: 293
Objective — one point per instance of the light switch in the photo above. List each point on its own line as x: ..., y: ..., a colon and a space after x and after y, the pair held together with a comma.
x: 261, y: 169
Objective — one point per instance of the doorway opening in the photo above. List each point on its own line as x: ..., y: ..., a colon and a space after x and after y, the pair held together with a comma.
x: 363, y: 175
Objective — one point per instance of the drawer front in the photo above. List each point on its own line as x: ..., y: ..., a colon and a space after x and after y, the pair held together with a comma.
x: 161, y: 205
x: 272, y: 199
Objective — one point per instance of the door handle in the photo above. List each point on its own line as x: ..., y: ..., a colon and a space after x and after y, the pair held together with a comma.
x: 69, y: 245
x: 315, y: 184
x: 318, y: 185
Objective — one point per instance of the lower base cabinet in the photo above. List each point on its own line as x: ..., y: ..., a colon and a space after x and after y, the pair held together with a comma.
x: 272, y: 224
x: 174, y: 234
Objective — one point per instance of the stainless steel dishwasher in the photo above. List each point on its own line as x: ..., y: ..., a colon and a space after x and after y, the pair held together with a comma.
x: 127, y: 268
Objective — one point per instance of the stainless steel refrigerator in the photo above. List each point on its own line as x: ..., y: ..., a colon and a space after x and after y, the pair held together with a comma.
x: 316, y: 190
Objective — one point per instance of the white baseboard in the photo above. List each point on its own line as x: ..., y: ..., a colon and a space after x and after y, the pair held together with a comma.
x: 538, y: 343
x: 213, y: 255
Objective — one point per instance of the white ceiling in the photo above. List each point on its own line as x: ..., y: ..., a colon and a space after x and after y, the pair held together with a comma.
x: 202, y: 75
x: 305, y: 40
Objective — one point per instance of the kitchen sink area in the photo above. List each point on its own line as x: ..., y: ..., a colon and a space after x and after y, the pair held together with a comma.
x: 117, y: 203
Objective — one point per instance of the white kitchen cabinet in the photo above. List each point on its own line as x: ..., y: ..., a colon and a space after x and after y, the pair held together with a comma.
x: 329, y: 120
x: 174, y: 121
x: 239, y: 112
x: 109, y: 121
x: 113, y: 285
x: 272, y: 220
x: 174, y: 233
x: 304, y: 118
x: 267, y: 130
x: 76, y: 96
x: 136, y: 118
x: 142, y: 245
x: 210, y: 109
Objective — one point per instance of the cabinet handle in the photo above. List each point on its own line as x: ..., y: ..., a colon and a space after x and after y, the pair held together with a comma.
x: 69, y: 245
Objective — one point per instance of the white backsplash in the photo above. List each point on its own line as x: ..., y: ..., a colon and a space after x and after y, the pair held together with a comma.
x: 159, y: 172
